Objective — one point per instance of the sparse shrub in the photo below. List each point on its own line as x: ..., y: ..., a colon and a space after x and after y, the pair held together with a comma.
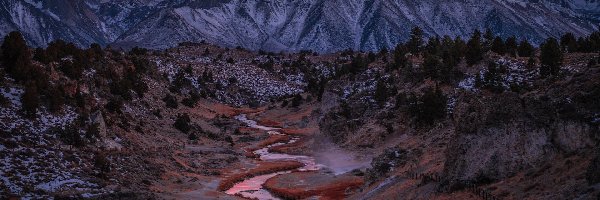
x: 232, y: 80
x: 192, y: 100
x: 429, y: 107
x: 297, y: 100
x: 142, y: 65
x: 384, y: 163
x: 140, y: 87
x: 93, y: 131
x: 56, y: 99
x: 157, y: 113
x: 101, y: 163
x: 138, y: 51
x: 114, y: 105
x: 70, y: 136
x: 170, y: 101
x: 182, y: 123
x: 122, y: 88
x: 192, y: 136
x: 180, y: 82
x: 267, y: 65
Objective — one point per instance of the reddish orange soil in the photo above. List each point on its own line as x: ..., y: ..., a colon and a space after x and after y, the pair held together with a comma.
x: 262, y: 169
x: 290, y: 148
x: 273, y: 139
x: 299, y: 132
x: 248, y: 130
x: 300, y: 185
x: 270, y: 123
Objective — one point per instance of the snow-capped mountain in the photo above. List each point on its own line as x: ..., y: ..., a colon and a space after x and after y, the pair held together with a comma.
x: 321, y: 25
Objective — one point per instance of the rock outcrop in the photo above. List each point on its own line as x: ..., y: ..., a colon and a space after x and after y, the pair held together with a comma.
x: 498, y: 136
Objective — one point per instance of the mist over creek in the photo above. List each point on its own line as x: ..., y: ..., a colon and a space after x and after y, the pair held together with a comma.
x: 325, y: 158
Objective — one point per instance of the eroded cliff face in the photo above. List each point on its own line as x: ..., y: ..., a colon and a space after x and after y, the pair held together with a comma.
x: 501, y: 135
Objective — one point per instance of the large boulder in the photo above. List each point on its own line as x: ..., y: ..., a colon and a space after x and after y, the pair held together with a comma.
x: 97, y: 120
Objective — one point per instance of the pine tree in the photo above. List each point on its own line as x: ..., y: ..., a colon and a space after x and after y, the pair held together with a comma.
x: 450, y: 62
x: 488, y: 39
x: 400, y: 59
x: 429, y: 107
x: 415, y: 42
x: 30, y: 100
x: 525, y: 49
x: 432, y: 67
x: 383, y: 53
x: 459, y: 47
x: 381, y: 92
x: 550, y: 58
x: 474, y: 51
x: 40, y: 55
x: 511, y: 46
x: 498, y: 46
x: 16, y: 57
x: 531, y: 62
x: 433, y: 46
x: 584, y: 45
x: 492, y: 79
x: 594, y: 40
x: 568, y: 43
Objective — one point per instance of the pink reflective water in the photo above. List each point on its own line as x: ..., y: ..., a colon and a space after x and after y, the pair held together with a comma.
x: 252, y: 188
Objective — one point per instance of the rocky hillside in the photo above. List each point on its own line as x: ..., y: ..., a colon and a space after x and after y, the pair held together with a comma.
x: 445, y: 119
x: 322, y: 26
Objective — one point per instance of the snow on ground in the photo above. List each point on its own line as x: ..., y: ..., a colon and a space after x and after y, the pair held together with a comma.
x: 468, y: 84
x: 517, y: 74
x: 259, y: 84
x: 37, y: 167
x: 11, y: 119
x: 37, y: 172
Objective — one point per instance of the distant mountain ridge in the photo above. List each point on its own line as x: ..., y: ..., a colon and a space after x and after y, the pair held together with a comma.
x: 289, y: 25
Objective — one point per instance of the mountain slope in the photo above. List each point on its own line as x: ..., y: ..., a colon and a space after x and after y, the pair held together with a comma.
x: 319, y: 25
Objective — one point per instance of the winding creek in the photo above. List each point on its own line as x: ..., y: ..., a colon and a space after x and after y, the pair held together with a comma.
x: 252, y: 188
